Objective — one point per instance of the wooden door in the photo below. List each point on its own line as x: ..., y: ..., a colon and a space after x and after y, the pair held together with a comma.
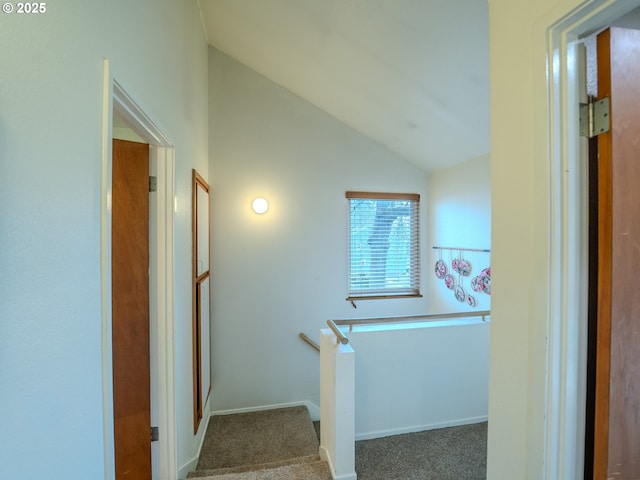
x: 130, y: 305
x: 617, y: 389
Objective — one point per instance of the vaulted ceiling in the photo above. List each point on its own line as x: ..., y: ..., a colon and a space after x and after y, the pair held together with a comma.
x: 411, y: 74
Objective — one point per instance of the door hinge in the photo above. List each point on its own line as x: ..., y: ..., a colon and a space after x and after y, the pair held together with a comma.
x: 594, y: 118
x: 153, y: 184
x: 155, y: 434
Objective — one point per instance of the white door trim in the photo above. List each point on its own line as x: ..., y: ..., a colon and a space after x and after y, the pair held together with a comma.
x: 116, y: 100
x: 564, y: 428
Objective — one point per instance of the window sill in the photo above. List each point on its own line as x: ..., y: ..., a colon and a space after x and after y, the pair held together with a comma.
x: 382, y: 297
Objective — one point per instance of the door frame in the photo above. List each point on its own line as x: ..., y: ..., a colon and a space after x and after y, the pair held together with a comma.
x: 162, y: 161
x: 563, y: 430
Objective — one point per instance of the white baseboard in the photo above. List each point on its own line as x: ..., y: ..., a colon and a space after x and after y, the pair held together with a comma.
x: 420, y: 428
x: 193, y: 463
x: 188, y: 467
x: 324, y: 455
x: 314, y: 410
x: 347, y: 476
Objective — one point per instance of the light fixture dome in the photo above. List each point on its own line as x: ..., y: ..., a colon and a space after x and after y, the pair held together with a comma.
x: 260, y: 205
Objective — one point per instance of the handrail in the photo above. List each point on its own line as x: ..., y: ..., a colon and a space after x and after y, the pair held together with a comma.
x: 333, y: 324
x: 340, y: 337
x: 483, y: 250
x: 309, y: 341
x: 412, y: 318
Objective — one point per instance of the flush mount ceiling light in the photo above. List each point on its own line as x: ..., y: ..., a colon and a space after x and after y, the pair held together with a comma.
x: 260, y: 205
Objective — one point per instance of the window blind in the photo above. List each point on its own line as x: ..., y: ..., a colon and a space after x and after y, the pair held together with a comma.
x: 383, y: 247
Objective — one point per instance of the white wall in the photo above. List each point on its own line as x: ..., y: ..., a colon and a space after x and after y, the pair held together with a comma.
x: 416, y: 378
x: 282, y: 273
x: 50, y: 177
x: 459, y: 216
x: 515, y: 395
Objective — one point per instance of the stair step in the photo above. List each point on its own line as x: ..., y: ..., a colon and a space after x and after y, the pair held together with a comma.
x: 277, y: 444
x: 248, y: 468
x: 257, y: 437
x: 315, y: 470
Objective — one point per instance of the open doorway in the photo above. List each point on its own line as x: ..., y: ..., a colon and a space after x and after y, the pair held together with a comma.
x: 121, y: 110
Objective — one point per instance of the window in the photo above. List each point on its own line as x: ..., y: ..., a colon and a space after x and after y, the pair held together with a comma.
x: 383, y: 249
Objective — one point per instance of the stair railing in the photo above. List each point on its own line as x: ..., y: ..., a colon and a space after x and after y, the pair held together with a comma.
x: 337, y: 386
x: 335, y: 325
x: 309, y: 341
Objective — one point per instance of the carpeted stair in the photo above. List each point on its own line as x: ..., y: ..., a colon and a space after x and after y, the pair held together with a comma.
x: 279, y: 444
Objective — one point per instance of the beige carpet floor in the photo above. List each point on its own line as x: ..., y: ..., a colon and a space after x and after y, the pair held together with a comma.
x: 282, y: 444
x: 454, y: 453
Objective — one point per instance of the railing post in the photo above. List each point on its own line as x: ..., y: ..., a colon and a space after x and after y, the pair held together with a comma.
x: 337, y: 406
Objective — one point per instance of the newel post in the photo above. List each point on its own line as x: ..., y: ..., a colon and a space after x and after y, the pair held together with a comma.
x: 337, y: 406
